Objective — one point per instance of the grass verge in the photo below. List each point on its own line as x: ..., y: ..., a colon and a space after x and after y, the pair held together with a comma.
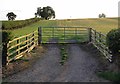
x: 112, y: 76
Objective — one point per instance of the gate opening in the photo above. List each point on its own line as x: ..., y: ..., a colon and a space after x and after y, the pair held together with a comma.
x: 64, y: 34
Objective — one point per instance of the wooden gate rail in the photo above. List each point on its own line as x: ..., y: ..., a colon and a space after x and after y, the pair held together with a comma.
x: 99, y: 41
x: 18, y: 46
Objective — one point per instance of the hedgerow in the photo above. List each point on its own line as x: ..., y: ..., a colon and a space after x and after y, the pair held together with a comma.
x: 8, y: 25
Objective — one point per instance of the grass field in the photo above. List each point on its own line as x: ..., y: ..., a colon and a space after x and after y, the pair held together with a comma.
x: 103, y: 25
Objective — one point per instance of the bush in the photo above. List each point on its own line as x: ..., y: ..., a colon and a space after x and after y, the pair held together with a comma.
x: 113, y: 40
x: 6, y: 36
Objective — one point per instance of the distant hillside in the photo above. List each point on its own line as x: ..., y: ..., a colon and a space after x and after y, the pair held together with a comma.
x: 103, y: 25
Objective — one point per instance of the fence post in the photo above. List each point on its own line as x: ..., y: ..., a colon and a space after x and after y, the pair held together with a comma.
x: 64, y: 35
x: 76, y: 31
x: 90, y: 34
x: 18, y: 41
x: 4, y: 54
x: 95, y: 36
x: 33, y: 42
x: 100, y: 37
x: 39, y: 35
x: 53, y: 33
x: 27, y: 41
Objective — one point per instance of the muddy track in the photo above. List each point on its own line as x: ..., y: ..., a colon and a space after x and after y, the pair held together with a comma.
x: 80, y: 67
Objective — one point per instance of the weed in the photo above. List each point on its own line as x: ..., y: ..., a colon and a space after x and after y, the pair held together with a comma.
x: 64, y: 55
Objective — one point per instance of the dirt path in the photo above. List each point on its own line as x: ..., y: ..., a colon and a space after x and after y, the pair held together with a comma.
x: 80, y: 67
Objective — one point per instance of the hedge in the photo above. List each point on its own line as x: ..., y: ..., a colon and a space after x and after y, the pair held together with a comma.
x: 7, y: 25
x: 6, y: 36
x: 113, y: 40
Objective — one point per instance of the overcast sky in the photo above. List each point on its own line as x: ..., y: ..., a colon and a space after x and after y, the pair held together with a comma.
x: 63, y: 8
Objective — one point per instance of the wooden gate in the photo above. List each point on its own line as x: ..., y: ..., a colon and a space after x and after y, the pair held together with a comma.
x: 63, y: 34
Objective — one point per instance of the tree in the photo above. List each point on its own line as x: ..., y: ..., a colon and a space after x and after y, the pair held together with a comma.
x: 45, y: 12
x: 11, y: 16
x: 102, y: 15
x: 35, y: 15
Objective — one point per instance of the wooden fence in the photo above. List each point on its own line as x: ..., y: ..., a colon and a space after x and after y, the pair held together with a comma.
x: 18, y: 46
x: 99, y: 41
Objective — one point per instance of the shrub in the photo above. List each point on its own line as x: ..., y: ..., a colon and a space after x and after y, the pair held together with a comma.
x: 113, y: 40
x: 6, y: 36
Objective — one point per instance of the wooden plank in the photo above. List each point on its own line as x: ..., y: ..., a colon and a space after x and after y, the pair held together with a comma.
x: 98, y: 32
x: 19, y: 38
x: 22, y: 37
x: 98, y: 40
x: 9, y: 60
x: 23, y: 42
x: 31, y: 47
x: 104, y: 52
x: 20, y: 54
x: 20, y: 48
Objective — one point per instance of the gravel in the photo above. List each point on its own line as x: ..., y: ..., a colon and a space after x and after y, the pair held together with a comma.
x: 80, y: 67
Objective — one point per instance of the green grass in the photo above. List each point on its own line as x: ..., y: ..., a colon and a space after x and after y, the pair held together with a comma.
x: 103, y: 25
x: 64, y: 54
x: 114, y: 77
x: 31, y: 28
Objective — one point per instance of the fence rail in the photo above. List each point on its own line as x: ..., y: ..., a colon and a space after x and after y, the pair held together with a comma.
x: 99, y: 41
x: 19, y: 46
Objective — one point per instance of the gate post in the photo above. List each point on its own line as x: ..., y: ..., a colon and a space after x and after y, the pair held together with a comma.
x: 39, y: 35
x: 4, y: 54
x: 89, y: 33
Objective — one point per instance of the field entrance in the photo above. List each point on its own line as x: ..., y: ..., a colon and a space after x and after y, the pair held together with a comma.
x: 63, y: 34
